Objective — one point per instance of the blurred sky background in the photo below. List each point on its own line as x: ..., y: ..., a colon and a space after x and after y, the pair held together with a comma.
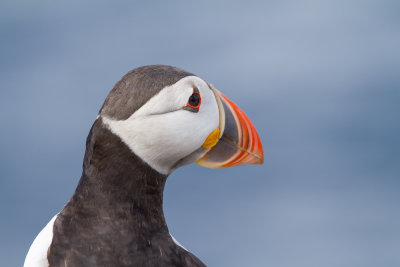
x: 319, y: 79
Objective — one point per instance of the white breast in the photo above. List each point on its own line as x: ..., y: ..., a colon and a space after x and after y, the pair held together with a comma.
x: 37, y: 254
x: 177, y: 243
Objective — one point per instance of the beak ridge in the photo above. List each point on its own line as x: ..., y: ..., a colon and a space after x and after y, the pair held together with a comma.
x: 239, y: 143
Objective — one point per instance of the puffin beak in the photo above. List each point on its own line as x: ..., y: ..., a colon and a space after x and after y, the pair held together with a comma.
x: 238, y: 142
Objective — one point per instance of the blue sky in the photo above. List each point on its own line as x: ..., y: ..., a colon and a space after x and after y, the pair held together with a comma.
x: 319, y: 79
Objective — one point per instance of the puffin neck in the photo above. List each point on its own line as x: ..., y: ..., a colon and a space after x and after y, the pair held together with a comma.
x: 117, y: 184
x: 115, y: 216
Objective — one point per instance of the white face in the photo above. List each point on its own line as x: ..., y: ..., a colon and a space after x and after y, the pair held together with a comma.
x: 161, y: 132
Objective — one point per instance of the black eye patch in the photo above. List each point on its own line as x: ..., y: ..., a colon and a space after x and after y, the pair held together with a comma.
x: 194, y: 101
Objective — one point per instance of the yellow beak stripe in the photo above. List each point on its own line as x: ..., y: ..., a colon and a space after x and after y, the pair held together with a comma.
x: 212, y: 139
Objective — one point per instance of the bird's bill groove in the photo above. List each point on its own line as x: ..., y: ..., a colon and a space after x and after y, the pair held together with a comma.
x: 239, y: 143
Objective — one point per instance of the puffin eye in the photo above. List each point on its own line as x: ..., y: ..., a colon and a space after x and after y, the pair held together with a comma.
x: 194, y: 101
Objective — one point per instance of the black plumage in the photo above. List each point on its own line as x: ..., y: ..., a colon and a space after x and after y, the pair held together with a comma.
x: 115, y: 216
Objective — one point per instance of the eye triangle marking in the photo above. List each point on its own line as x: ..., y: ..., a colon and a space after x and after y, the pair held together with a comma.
x: 194, y: 101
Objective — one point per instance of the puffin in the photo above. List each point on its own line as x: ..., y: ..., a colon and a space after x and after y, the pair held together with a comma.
x: 155, y: 119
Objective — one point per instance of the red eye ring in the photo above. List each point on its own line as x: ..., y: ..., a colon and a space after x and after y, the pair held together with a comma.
x: 194, y: 101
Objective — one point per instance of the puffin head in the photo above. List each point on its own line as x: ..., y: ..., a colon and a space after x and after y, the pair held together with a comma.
x: 170, y: 117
